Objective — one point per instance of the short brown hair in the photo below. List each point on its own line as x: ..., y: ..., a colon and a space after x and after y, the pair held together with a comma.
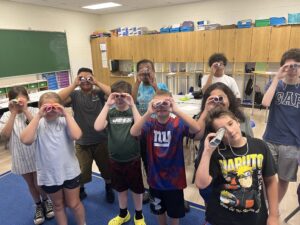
x: 121, y: 86
x: 293, y: 53
x: 162, y: 93
x: 17, y: 90
x: 144, y: 61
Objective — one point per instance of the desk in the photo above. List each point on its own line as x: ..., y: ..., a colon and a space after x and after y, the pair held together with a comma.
x: 190, y: 107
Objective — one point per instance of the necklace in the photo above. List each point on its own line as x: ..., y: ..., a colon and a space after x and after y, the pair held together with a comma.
x: 235, y: 154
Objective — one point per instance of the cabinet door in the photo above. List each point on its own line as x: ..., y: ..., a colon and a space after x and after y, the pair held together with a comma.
x: 242, y: 50
x: 260, y: 44
x: 279, y: 43
x: 101, y: 72
x: 165, y: 48
x: 211, y: 43
x: 190, y: 46
x: 121, y: 48
x: 143, y: 47
x: 227, y: 43
x: 295, y: 37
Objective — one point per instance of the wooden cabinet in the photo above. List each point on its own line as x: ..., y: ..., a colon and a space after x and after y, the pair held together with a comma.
x: 211, y: 43
x: 143, y: 47
x: 165, y: 48
x: 121, y: 48
x: 295, y: 37
x: 190, y: 46
x: 101, y: 72
x: 279, y: 42
x: 260, y: 44
x: 243, y: 38
x: 227, y: 43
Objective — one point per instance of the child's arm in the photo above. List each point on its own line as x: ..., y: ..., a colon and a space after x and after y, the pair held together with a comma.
x: 105, y: 88
x: 138, y: 124
x: 203, y: 178
x: 272, y: 195
x: 9, y: 125
x: 268, y: 96
x: 189, y: 121
x: 64, y: 94
x: 73, y: 128
x: 29, y: 133
x: 135, y: 112
x: 101, y: 122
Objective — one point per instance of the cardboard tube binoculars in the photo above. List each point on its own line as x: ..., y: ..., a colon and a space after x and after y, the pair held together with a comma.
x: 218, y: 138
x: 50, y: 108
x: 162, y: 105
x: 88, y: 79
x: 17, y: 102
x: 218, y: 99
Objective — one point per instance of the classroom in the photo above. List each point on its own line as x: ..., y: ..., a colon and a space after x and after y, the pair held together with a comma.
x: 49, y: 45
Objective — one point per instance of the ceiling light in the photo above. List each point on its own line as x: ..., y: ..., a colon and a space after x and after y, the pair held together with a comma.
x: 102, y: 5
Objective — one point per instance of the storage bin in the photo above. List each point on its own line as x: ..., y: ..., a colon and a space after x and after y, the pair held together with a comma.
x: 33, y: 86
x: 165, y: 30
x: 175, y: 30
x: 186, y: 29
x: 262, y: 23
x: 244, y: 23
x: 277, y: 21
x: 232, y: 26
x: 2, y: 91
x: 294, y: 18
x: 43, y: 84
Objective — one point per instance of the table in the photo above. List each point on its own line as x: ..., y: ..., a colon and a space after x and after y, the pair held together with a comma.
x: 190, y: 107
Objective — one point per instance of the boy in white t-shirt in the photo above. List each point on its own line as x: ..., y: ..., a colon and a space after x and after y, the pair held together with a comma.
x: 217, y: 63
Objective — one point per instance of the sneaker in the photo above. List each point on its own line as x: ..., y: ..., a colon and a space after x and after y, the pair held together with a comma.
x: 186, y: 206
x: 39, y: 217
x: 110, y: 195
x: 139, y: 221
x: 48, y: 209
x: 146, y: 197
x: 82, y: 193
x: 119, y: 220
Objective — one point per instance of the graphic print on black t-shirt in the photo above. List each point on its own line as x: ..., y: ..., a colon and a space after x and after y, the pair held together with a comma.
x: 242, y: 189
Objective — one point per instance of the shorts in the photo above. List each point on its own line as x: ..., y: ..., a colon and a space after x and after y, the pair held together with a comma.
x: 127, y: 175
x: 170, y: 201
x: 286, y: 160
x: 86, y: 154
x: 69, y: 184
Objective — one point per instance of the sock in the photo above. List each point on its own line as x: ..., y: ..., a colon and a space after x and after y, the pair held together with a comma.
x: 123, y: 213
x: 38, y: 203
x: 138, y: 214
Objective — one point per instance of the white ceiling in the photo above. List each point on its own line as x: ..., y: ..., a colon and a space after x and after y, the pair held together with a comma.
x: 127, y: 5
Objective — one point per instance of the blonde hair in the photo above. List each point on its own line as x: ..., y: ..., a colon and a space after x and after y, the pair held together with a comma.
x: 50, y: 95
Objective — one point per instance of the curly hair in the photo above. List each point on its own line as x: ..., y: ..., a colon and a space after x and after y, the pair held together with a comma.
x: 293, y: 53
x: 217, y: 57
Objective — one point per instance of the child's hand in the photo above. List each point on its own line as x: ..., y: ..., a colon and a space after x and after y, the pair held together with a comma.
x: 42, y: 112
x: 214, y: 67
x: 76, y: 81
x: 111, y: 99
x: 128, y: 99
x: 13, y: 107
x: 210, y: 104
x: 59, y: 109
x: 174, y: 108
x: 207, y: 147
x: 283, y: 71
x: 151, y: 108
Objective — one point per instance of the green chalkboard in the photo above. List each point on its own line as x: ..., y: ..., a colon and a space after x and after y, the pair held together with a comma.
x: 29, y: 52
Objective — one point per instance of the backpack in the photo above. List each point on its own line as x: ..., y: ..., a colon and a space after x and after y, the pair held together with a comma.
x: 249, y: 87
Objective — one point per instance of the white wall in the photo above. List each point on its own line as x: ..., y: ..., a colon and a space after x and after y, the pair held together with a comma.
x: 78, y: 26
x: 215, y: 11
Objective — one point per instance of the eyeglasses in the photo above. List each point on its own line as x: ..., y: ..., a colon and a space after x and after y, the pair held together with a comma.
x: 218, y: 99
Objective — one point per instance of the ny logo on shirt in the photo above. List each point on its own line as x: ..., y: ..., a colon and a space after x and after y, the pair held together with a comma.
x: 162, y: 138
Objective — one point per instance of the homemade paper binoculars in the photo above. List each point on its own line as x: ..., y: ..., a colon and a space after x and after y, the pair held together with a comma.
x: 86, y: 79
x: 162, y: 105
x: 218, y: 99
x: 218, y: 138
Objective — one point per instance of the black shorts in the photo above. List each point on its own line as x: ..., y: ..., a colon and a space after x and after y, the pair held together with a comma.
x: 69, y: 184
x: 127, y: 175
x: 170, y: 201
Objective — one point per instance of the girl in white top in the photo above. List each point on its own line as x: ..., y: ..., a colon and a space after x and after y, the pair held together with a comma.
x: 12, y: 123
x: 54, y: 131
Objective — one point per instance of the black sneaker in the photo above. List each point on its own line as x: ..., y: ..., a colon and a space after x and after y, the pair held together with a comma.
x: 48, y: 209
x: 146, y: 197
x: 82, y: 193
x: 39, y: 217
x: 110, y: 195
x: 186, y: 206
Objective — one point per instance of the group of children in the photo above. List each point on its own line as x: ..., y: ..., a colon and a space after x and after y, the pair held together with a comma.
x: 235, y: 172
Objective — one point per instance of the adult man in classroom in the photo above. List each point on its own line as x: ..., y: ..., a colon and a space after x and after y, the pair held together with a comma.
x: 87, y: 103
x: 217, y: 63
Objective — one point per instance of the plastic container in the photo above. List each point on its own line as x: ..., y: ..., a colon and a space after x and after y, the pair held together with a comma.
x: 33, y: 85
x: 277, y: 21
x: 294, y: 18
x: 244, y: 23
x: 165, y: 30
x: 262, y: 23
x: 43, y: 84
x: 2, y: 91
